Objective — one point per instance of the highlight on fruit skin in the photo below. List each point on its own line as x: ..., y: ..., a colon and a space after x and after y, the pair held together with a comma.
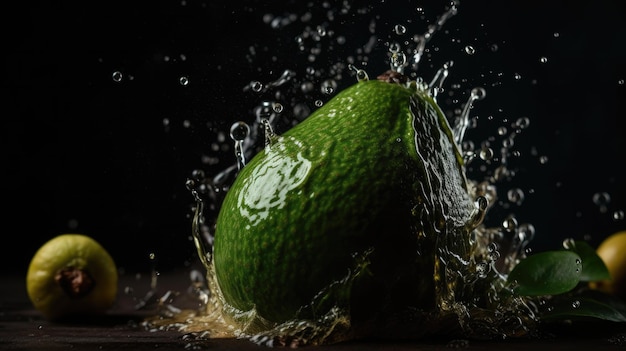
x: 72, y: 276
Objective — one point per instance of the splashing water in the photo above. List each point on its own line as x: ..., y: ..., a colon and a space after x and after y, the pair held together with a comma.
x: 476, y: 295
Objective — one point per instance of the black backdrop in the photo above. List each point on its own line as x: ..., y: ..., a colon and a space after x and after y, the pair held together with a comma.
x: 85, y: 153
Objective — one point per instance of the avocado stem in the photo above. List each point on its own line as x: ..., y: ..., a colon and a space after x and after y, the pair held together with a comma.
x: 391, y: 76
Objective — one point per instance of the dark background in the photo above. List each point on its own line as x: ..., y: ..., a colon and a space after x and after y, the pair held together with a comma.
x: 84, y: 153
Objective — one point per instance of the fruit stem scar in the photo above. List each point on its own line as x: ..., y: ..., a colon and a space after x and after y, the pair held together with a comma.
x: 75, y: 282
x: 391, y: 76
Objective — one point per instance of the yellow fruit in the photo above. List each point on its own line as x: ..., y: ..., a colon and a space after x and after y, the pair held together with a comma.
x: 71, y: 275
x: 613, y: 252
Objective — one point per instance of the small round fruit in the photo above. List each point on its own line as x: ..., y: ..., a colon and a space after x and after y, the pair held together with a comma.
x: 71, y: 275
x: 613, y: 252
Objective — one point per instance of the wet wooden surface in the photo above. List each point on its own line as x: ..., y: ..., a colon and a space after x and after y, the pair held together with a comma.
x: 23, y: 328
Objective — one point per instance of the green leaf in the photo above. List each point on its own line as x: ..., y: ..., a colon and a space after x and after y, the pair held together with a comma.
x: 576, y: 307
x: 606, y: 298
x: 546, y: 273
x: 594, y: 268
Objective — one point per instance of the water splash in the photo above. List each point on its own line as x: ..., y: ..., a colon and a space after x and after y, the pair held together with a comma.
x: 258, y: 87
x: 423, y: 39
x: 270, y: 136
x: 436, y: 84
x: 463, y: 121
x: 239, y: 131
x: 497, y: 249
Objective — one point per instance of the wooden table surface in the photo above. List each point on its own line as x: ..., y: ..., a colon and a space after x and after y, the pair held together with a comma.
x: 23, y: 328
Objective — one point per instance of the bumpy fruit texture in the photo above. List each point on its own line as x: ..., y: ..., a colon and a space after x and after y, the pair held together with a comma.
x: 375, y: 170
x: 71, y: 275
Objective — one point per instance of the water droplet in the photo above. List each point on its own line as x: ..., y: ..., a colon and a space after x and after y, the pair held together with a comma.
x: 256, y: 86
x: 307, y: 87
x: 527, y: 232
x: 543, y: 59
x: 321, y: 31
x: 481, y: 269
x: 618, y: 215
x: 515, y: 195
x: 602, y: 200
x: 239, y: 131
x: 522, y: 122
x: 483, y: 203
x: 394, y: 48
x: 318, y: 103
x: 328, y: 86
x: 478, y: 93
x: 620, y: 82
x: 470, y: 50
x: 569, y: 243
x: 184, y: 81
x: 117, y: 76
x: 493, y: 256
x: 486, y: 153
x: 196, y: 276
x: 278, y: 107
x: 361, y: 75
x: 509, y: 224
x: 576, y: 304
x: 492, y: 247
x: 399, y: 29
x: 190, y: 184
x: 398, y: 61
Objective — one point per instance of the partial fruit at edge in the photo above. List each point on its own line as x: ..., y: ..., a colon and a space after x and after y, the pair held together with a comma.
x: 612, y: 250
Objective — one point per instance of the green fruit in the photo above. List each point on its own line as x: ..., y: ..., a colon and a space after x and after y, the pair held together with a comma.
x: 371, y: 183
x: 71, y: 275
